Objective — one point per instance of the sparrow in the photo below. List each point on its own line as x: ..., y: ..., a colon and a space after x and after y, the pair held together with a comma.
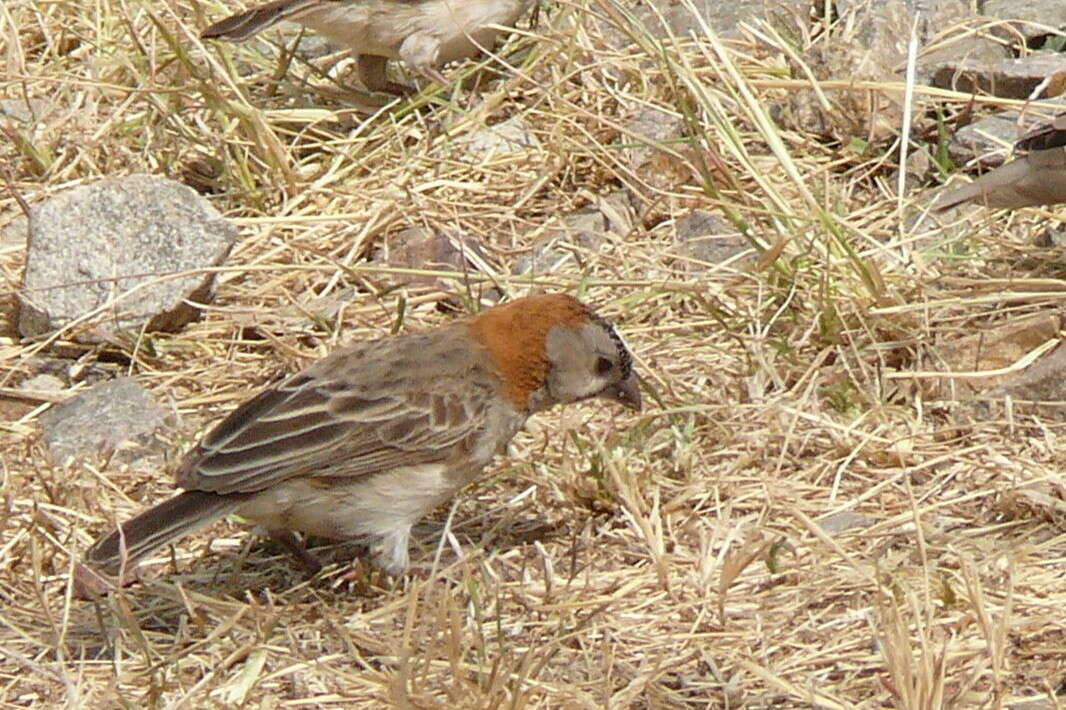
x: 1036, y: 178
x: 366, y: 441
x: 425, y: 34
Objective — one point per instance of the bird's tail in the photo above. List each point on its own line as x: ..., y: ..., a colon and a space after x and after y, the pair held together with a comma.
x: 1010, y: 186
x: 136, y: 538
x: 250, y: 22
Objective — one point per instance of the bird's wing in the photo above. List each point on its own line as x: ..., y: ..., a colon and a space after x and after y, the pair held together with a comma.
x: 311, y: 426
x: 245, y: 24
x: 1049, y: 135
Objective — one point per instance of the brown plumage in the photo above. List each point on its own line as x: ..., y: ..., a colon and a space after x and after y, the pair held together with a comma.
x: 1036, y: 178
x: 425, y: 34
x: 366, y: 441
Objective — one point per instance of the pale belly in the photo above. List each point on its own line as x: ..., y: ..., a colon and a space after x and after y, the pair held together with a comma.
x: 456, y: 29
x: 378, y: 506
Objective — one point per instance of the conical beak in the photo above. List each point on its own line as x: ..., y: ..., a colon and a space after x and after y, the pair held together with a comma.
x: 626, y: 393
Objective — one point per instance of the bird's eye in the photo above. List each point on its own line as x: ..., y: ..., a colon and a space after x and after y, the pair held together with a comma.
x: 603, y: 366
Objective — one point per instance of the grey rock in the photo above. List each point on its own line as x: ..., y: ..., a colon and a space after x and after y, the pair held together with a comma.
x: 648, y: 125
x: 882, y: 29
x: 511, y: 136
x: 1027, y: 18
x: 582, y: 230
x: 432, y: 250
x: 16, y: 234
x: 1038, y: 704
x: 958, y: 50
x: 843, y: 521
x: 705, y: 237
x: 996, y: 349
x: 1041, y: 381
x: 43, y: 382
x: 650, y: 138
x: 870, y: 42
x: 618, y: 209
x: 435, y: 250
x: 1009, y: 78
x: 93, y: 245
x: 314, y: 46
x: 988, y: 142
x: 118, y: 416
x: 24, y: 111
x: 1051, y: 238
x: 918, y: 169
x: 872, y: 47
x: 674, y: 18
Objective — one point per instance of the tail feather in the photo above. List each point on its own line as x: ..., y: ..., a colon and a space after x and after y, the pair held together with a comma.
x: 250, y: 22
x: 169, y: 520
x: 1013, y: 185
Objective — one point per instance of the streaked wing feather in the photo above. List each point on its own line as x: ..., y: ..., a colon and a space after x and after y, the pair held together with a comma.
x: 306, y: 427
x: 245, y: 24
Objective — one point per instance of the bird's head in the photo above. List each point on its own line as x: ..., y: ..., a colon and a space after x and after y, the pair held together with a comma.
x: 552, y: 349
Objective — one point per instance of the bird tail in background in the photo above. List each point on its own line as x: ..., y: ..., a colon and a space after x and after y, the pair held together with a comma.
x: 1003, y: 187
x: 250, y: 22
x: 956, y: 197
x: 157, y: 526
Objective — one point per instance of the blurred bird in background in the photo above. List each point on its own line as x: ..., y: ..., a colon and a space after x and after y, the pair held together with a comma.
x: 425, y: 34
x: 1036, y: 178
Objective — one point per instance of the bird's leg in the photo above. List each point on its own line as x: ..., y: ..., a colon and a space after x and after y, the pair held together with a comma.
x: 295, y: 546
x: 371, y: 71
x: 433, y: 74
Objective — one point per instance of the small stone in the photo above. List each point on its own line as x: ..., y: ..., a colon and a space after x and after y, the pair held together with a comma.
x: 649, y: 125
x: 1050, y: 238
x: 677, y: 19
x: 1042, y: 381
x: 1030, y: 19
x: 618, y: 209
x: 116, y: 416
x: 958, y: 51
x: 16, y: 234
x: 580, y: 230
x: 987, y: 143
x: 651, y: 136
x: 43, y: 383
x: 134, y: 248
x: 843, y: 521
x: 24, y: 111
x: 422, y: 248
x: 509, y: 137
x: 997, y: 349
x: 314, y: 46
x: 1010, y: 78
x: 706, y: 237
x: 432, y: 250
x: 918, y: 168
x: 583, y: 230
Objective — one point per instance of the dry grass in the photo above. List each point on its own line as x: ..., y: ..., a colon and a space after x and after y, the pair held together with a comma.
x: 675, y: 559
